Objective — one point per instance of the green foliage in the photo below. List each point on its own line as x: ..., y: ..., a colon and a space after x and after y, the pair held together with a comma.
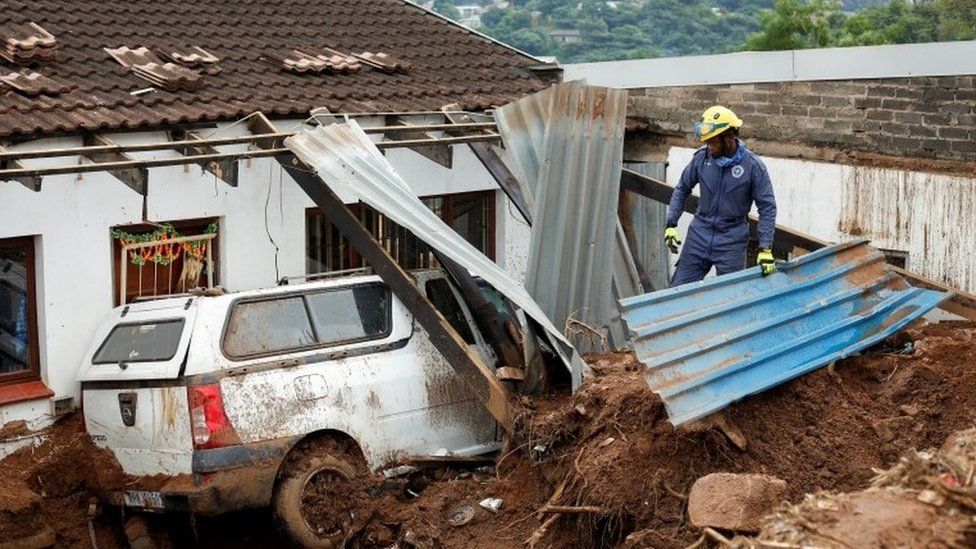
x: 796, y: 25
x: 632, y: 29
x: 625, y: 29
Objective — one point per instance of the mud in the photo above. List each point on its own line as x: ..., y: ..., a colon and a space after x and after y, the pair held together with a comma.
x: 610, y: 450
x: 51, y: 486
x: 611, y: 447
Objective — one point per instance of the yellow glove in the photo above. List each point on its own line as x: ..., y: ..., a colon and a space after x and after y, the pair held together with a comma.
x: 671, y: 239
x: 765, y: 260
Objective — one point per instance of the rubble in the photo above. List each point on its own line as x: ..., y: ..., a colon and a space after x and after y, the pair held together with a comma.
x: 563, y: 486
x: 927, y: 499
x: 735, y: 502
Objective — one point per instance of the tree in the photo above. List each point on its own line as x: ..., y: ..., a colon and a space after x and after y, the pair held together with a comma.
x: 796, y: 24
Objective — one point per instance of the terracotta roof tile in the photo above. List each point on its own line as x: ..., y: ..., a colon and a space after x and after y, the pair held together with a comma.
x: 439, y: 62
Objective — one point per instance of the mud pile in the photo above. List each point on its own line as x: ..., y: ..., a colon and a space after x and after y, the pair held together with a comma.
x: 611, y: 463
x: 46, y: 490
x: 927, y: 499
x: 601, y: 468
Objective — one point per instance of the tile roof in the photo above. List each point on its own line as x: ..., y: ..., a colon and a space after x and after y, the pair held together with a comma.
x: 436, y: 62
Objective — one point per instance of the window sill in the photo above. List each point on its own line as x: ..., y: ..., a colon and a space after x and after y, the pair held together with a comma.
x: 24, y: 391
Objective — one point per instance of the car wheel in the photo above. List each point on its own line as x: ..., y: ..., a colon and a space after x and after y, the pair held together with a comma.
x: 318, y: 495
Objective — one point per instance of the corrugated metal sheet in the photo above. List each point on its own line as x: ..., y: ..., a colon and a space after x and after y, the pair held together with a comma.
x: 647, y: 218
x: 568, y: 144
x: 711, y: 343
x: 348, y: 161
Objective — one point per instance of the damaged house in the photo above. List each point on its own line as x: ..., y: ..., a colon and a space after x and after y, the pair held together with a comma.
x: 122, y: 76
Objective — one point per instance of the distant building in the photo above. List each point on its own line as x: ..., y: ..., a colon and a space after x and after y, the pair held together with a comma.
x: 470, y: 15
x: 566, y: 36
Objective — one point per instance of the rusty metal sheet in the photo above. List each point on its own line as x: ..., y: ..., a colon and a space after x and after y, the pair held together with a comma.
x: 345, y: 157
x: 567, y: 143
x: 708, y: 344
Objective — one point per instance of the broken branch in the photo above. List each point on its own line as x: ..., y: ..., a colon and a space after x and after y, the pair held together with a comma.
x: 573, y: 510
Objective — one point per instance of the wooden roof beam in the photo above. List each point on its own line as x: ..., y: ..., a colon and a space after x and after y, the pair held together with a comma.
x: 441, y: 154
x: 136, y: 178
x: 32, y: 182
x: 225, y: 170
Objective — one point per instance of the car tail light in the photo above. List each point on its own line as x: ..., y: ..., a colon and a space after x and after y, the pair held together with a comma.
x: 208, y: 422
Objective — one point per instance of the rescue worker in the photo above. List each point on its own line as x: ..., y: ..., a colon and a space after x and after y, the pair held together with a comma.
x: 731, y: 179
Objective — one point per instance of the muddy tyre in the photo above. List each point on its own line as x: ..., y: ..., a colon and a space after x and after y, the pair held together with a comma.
x: 315, y: 499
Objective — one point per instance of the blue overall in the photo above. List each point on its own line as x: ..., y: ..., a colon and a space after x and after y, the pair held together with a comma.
x: 720, y: 231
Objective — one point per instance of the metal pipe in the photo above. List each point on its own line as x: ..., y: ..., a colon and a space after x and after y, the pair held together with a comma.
x: 194, y: 159
x: 8, y: 155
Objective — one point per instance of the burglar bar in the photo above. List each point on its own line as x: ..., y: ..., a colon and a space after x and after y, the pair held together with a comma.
x: 124, y: 255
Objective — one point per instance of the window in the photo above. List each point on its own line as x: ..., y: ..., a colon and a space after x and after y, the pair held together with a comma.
x: 142, y: 342
x: 18, y: 311
x: 350, y: 315
x: 472, y: 215
x: 299, y: 322
x: 440, y: 294
x: 165, y: 268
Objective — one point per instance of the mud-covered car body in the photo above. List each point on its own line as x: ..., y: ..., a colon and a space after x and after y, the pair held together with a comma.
x: 214, y: 391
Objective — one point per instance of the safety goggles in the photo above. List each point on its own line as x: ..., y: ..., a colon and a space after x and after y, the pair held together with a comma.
x: 709, y: 128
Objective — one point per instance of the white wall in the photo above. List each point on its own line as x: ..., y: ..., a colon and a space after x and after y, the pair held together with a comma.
x: 929, y: 216
x: 72, y: 216
x: 889, y: 61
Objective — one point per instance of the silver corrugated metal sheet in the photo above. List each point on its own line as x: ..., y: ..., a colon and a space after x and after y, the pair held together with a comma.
x: 710, y: 343
x: 348, y: 161
x: 568, y: 144
x: 648, y: 218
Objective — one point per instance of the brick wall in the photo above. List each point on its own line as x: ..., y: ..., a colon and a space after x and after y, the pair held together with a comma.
x: 917, y: 117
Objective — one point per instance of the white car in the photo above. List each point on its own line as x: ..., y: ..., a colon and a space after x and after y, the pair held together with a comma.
x: 245, y: 397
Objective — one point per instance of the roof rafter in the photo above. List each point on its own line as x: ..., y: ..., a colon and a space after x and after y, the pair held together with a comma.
x: 439, y: 153
x: 135, y: 177
x: 223, y: 169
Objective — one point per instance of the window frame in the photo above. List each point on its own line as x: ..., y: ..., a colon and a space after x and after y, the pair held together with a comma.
x: 181, y: 320
x: 303, y: 295
x: 33, y: 345
x: 350, y: 256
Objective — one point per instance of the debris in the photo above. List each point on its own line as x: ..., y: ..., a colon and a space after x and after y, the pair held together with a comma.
x: 580, y: 509
x: 735, y: 502
x: 709, y: 344
x: 909, y: 410
x: 400, y: 471
x: 462, y: 516
x: 492, y: 504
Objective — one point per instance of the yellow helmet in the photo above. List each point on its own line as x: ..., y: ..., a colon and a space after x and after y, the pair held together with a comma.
x: 714, y: 121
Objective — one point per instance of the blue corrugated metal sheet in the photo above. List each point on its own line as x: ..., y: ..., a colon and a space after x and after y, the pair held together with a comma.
x: 710, y: 343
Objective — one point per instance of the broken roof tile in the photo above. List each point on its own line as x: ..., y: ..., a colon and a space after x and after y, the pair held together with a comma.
x: 28, y: 43
x: 32, y: 83
x: 383, y: 62
x: 449, y: 64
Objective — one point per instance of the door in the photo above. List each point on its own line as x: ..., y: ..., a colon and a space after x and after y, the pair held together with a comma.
x: 133, y: 400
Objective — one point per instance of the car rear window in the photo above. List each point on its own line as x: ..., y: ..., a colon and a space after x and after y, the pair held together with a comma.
x: 140, y: 342
x: 299, y: 322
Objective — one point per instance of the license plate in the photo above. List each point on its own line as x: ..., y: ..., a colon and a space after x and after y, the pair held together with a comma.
x: 148, y: 500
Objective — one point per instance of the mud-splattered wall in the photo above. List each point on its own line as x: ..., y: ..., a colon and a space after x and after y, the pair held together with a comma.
x: 929, y: 217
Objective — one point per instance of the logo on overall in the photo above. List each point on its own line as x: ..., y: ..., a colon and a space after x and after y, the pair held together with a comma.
x: 737, y: 171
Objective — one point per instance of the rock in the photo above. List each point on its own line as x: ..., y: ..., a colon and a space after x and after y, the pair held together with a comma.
x: 732, y: 501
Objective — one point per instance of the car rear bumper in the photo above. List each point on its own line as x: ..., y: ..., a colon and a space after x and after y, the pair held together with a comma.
x: 224, y: 480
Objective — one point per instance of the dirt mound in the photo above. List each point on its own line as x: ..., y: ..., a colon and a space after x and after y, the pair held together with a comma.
x: 49, y: 487
x: 927, y: 499
x: 611, y: 463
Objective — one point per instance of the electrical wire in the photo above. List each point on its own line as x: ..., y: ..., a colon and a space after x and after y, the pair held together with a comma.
x: 267, y: 227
